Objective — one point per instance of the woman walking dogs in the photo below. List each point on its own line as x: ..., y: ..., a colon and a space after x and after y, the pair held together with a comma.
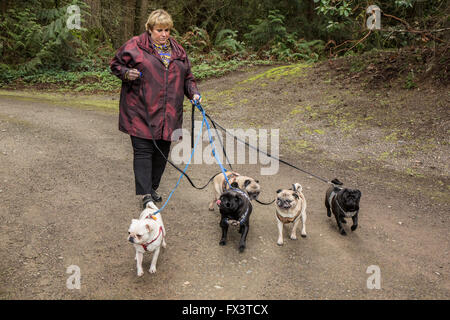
x: 156, y: 74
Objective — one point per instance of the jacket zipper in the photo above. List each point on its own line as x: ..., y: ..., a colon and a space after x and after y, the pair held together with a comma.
x: 166, y: 82
x: 166, y: 76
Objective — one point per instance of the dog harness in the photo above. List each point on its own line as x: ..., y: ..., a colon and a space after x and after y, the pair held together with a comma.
x: 287, y: 219
x: 347, y: 214
x: 244, y: 216
x: 145, y: 245
x: 231, y: 178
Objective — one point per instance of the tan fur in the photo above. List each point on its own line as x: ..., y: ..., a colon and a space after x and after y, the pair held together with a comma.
x: 294, y: 214
x: 220, y: 185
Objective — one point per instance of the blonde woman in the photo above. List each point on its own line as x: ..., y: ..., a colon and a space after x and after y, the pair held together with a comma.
x: 156, y: 75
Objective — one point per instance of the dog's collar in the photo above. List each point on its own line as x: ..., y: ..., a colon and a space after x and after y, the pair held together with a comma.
x: 231, y: 178
x: 240, y: 191
x: 244, y: 216
x: 151, y: 215
x: 346, y: 213
x: 145, y: 245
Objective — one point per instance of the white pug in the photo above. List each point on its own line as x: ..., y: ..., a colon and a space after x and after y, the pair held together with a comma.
x: 147, y: 234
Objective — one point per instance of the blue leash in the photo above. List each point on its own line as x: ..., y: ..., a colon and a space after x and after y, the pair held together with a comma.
x: 204, y: 121
x: 199, y: 107
x: 184, y: 170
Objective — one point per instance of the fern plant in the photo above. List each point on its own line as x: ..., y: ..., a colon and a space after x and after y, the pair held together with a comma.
x: 267, y: 30
x: 39, y: 39
x: 226, y: 42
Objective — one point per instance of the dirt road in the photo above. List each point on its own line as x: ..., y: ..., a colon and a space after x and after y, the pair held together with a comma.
x: 67, y: 198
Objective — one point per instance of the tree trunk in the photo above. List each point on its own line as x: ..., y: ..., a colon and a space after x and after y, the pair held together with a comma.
x: 128, y: 17
x: 311, y: 12
x: 4, y: 6
x: 95, y: 10
x: 141, y: 16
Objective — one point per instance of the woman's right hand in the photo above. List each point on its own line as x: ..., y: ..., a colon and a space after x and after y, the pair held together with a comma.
x: 132, y: 74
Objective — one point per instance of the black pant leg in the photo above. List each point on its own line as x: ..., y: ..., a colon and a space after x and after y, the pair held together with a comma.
x: 143, y: 151
x: 159, y: 163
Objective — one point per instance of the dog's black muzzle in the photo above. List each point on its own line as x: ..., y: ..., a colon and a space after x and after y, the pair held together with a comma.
x: 253, y: 195
x: 283, y: 204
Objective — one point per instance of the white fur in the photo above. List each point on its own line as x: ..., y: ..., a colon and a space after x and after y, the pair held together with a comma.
x: 149, y: 229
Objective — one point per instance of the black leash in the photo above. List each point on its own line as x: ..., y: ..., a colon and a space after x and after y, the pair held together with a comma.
x: 268, y: 154
x: 187, y: 177
x: 223, y: 148
x: 265, y: 203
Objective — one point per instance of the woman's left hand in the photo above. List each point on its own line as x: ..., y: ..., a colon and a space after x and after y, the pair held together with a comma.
x: 197, y: 97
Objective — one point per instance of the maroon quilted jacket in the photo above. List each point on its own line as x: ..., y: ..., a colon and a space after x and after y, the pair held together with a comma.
x: 152, y: 105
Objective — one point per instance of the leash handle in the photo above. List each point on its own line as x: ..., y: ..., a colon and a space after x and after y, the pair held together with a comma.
x: 197, y: 103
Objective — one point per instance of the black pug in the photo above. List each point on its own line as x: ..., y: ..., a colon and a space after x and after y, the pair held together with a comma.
x: 235, y: 209
x: 344, y: 203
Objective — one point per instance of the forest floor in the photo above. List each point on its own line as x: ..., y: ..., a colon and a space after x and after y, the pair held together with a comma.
x: 67, y: 192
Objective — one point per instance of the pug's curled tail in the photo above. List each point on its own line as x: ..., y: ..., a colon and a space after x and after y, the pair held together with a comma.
x: 151, y: 205
x: 297, y: 187
x: 336, y: 182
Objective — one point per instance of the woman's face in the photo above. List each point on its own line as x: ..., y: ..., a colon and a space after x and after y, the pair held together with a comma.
x: 160, y: 34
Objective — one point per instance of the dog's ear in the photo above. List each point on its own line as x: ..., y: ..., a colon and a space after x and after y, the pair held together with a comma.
x: 279, y: 190
x: 359, y: 194
x: 235, y: 185
x: 295, y: 195
x: 147, y: 226
x: 246, y: 183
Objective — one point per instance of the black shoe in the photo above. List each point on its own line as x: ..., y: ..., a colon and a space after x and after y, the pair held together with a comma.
x: 146, y: 200
x: 156, y: 197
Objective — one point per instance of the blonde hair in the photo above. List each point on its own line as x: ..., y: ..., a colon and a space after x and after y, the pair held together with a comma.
x: 159, y: 17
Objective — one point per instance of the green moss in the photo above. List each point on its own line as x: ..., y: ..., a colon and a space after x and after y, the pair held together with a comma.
x: 300, y: 109
x: 411, y: 172
x: 277, y: 73
x: 12, y: 120
x: 391, y: 137
x: 333, y: 101
x: 319, y: 131
x: 83, y: 102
